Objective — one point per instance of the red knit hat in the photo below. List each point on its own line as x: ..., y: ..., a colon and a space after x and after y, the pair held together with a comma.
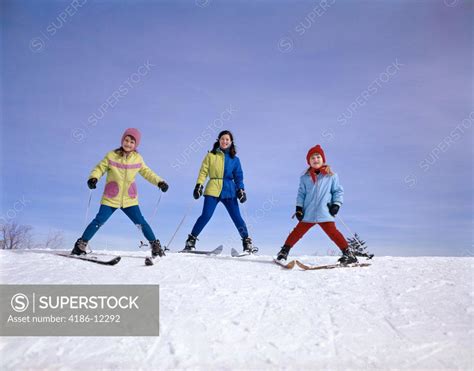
x: 316, y: 149
x: 133, y: 133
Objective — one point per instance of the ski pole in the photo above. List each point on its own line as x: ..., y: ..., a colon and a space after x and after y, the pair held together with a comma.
x: 188, y: 210
x: 156, y: 206
x: 352, y: 234
x: 86, y: 218
x: 142, y: 244
x: 140, y: 229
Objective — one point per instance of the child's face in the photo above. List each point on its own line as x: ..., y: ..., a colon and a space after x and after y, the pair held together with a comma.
x: 316, y: 161
x: 225, y: 141
x: 128, y: 144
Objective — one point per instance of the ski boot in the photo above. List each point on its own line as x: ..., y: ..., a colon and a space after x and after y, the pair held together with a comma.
x: 283, y: 254
x: 80, y: 247
x: 156, y: 249
x: 190, y: 243
x: 347, y: 257
x: 248, y: 246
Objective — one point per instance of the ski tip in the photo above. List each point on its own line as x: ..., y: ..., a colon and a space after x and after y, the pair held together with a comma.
x: 149, y: 261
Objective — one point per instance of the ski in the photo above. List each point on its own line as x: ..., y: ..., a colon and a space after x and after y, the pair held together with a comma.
x: 235, y: 254
x: 122, y: 255
x: 149, y: 260
x: 94, y: 259
x: 329, y: 266
x: 216, y: 251
x: 284, y: 264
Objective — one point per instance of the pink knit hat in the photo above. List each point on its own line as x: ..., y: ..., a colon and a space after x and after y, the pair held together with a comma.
x: 133, y: 133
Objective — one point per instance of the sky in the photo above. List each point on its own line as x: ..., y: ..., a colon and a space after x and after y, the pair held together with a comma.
x: 385, y: 87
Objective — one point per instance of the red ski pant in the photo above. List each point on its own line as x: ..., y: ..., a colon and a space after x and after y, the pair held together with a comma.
x: 328, y: 227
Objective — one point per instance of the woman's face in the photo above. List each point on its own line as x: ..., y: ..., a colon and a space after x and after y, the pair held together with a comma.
x: 225, y: 141
x: 128, y: 144
x: 316, y: 161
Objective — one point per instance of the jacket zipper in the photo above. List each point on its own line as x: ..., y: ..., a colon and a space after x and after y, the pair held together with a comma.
x: 223, y: 167
x: 317, y: 198
x: 223, y: 163
x: 316, y: 201
x: 124, y: 182
x: 223, y: 172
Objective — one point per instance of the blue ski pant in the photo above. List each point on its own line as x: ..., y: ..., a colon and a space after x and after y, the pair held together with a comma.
x: 133, y: 212
x: 210, y: 204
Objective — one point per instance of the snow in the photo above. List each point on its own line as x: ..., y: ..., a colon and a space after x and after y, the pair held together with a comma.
x: 247, y: 313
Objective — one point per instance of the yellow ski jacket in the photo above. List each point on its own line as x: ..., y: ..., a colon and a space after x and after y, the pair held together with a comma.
x: 120, y: 188
x: 225, y: 175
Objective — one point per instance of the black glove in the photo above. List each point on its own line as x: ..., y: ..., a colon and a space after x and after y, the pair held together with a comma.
x: 163, y: 186
x: 241, y: 196
x: 92, y: 183
x: 299, y: 213
x: 197, y: 191
x: 333, y: 209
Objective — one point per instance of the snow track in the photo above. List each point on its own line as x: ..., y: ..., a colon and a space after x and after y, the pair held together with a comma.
x: 248, y: 313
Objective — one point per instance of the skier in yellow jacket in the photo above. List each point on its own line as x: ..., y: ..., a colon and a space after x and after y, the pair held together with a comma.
x: 122, y: 165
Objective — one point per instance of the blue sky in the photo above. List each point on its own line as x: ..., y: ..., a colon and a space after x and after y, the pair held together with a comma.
x: 385, y: 87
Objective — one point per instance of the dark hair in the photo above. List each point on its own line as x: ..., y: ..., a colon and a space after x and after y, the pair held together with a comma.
x: 232, y: 150
x: 120, y: 151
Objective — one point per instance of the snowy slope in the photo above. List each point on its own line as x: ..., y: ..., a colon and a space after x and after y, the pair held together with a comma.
x: 226, y: 313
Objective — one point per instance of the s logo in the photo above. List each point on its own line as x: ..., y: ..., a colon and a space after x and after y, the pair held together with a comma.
x: 20, y: 302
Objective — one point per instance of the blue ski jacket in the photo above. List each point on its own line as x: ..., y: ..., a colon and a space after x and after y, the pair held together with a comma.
x: 314, y: 197
x: 224, y: 172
